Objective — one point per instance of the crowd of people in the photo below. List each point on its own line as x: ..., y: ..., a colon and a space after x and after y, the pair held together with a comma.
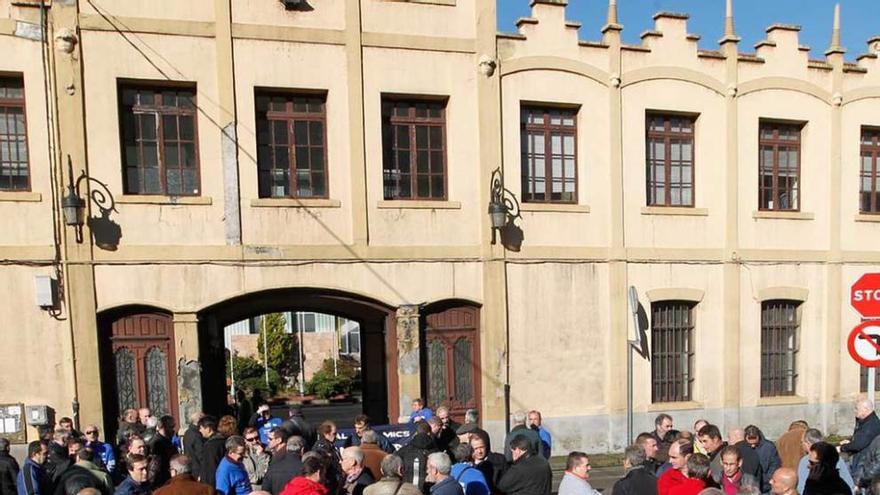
x: 271, y: 456
x: 667, y: 461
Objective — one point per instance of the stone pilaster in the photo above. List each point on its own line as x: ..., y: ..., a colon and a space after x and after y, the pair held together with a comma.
x: 186, y: 352
x: 409, y: 373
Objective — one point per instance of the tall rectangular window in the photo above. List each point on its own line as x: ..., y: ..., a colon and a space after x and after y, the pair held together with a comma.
x: 869, y: 202
x: 779, y: 347
x: 14, y: 173
x: 672, y: 351
x: 291, y: 145
x: 549, y: 154
x: 863, y: 378
x: 779, y: 168
x: 414, y: 149
x: 670, y: 154
x: 159, y: 140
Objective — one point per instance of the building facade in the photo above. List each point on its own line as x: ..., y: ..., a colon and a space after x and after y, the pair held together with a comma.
x: 337, y: 156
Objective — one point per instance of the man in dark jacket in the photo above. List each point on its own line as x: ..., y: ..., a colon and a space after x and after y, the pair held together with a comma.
x: 325, y: 446
x: 214, y: 449
x: 751, y: 463
x: 161, y: 452
x: 8, y: 469
x: 530, y: 473
x: 59, y: 456
x: 32, y: 479
x: 491, y: 464
x: 193, y: 443
x: 284, y: 466
x: 664, y: 434
x: 415, y: 455
x: 521, y: 430
x: 446, y: 437
x: 296, y: 425
x: 136, y: 483
x: 362, y: 424
x: 637, y: 480
x: 767, y: 455
x: 867, y: 427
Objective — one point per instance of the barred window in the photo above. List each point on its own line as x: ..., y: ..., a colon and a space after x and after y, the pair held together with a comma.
x: 672, y: 351
x: 413, y: 149
x: 779, y: 166
x: 863, y: 378
x: 159, y: 140
x: 779, y: 347
x: 14, y: 173
x: 868, y: 174
x: 549, y: 154
x: 670, y: 154
x: 291, y: 145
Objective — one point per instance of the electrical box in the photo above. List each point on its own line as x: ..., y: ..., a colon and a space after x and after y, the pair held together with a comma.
x: 44, y: 291
x: 37, y: 415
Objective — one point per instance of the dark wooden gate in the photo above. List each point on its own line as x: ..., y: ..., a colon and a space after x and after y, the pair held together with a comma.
x: 142, y: 347
x: 452, y: 340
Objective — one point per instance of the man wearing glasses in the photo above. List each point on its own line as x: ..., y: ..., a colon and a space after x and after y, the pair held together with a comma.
x: 256, y: 459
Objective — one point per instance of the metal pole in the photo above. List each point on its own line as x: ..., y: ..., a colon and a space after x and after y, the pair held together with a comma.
x: 872, y: 385
x: 335, y: 346
x: 629, y: 392
x: 266, y: 351
x: 232, y: 371
x: 302, y: 372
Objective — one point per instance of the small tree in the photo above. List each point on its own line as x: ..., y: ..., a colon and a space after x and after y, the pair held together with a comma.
x: 283, y: 350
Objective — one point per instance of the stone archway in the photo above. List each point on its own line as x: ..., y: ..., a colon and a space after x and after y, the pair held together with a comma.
x: 378, y: 325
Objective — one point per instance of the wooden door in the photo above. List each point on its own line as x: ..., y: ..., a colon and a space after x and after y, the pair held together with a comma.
x: 143, y: 361
x: 453, y: 359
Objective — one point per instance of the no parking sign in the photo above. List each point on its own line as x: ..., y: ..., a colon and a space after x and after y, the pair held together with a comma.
x: 864, y: 343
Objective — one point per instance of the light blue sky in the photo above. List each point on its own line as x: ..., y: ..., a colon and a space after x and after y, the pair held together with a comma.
x: 860, y: 19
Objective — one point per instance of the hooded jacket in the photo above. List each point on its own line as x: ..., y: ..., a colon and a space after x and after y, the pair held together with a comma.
x: 415, y: 458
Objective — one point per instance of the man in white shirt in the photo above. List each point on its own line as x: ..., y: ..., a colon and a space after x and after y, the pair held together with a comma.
x: 577, y: 472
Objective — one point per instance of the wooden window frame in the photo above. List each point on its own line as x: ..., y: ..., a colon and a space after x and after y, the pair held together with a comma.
x: 667, y: 135
x: 773, y: 336
x: 669, y: 382
x: 775, y: 142
x: 389, y: 154
x: 549, y: 130
x: 160, y: 111
x: 292, y: 116
x: 872, y: 150
x: 17, y: 103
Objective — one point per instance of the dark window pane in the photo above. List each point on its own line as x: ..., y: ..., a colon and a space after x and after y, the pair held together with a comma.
x: 412, y: 125
x: 169, y: 127
x: 671, y: 351
x: 187, y: 130
x: 555, y: 129
x: 779, y: 335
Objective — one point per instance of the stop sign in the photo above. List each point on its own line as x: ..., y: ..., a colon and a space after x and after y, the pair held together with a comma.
x: 865, y: 295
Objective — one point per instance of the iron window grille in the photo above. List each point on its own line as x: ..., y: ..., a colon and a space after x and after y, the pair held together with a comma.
x: 14, y: 169
x: 672, y: 351
x: 869, y: 202
x: 414, y: 149
x: 779, y: 168
x: 779, y: 347
x: 292, y: 145
x: 159, y: 140
x: 670, y: 159
x: 549, y: 154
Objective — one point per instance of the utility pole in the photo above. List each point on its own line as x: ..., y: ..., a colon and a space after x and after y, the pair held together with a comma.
x: 265, y: 351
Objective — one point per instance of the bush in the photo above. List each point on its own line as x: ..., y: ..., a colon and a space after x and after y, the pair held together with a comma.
x: 325, y: 384
x: 250, y: 376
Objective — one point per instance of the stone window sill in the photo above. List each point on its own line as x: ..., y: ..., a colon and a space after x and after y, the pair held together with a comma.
x: 295, y: 203
x: 554, y: 207
x: 682, y: 211
x: 21, y: 196
x: 867, y: 217
x: 675, y: 406
x: 783, y: 400
x: 148, y: 199
x: 419, y: 205
x: 783, y: 215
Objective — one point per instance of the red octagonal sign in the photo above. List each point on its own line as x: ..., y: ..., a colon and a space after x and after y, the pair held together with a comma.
x: 865, y: 295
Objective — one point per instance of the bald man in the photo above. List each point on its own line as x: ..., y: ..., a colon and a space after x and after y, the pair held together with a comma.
x: 784, y: 482
x: 867, y: 427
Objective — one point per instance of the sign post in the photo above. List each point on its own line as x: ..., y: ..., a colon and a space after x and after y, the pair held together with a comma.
x: 632, y: 344
x: 864, y: 341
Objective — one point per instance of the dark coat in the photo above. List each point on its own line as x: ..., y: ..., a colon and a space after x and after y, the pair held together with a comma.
x: 161, y: 451
x: 447, y: 487
x: 636, y: 482
x: 493, y: 468
x: 770, y: 462
x: 865, y: 431
x: 282, y: 469
x: 333, y: 476
x: 185, y: 484
x: 129, y: 487
x: 751, y: 462
x: 833, y: 486
x: 415, y: 459
x: 76, y: 478
x: 8, y: 472
x: 446, y: 438
x: 193, y: 447
x: 357, y: 485
x: 298, y: 426
x: 529, y: 475
x: 214, y: 451
x: 57, y: 462
x: 522, y: 431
